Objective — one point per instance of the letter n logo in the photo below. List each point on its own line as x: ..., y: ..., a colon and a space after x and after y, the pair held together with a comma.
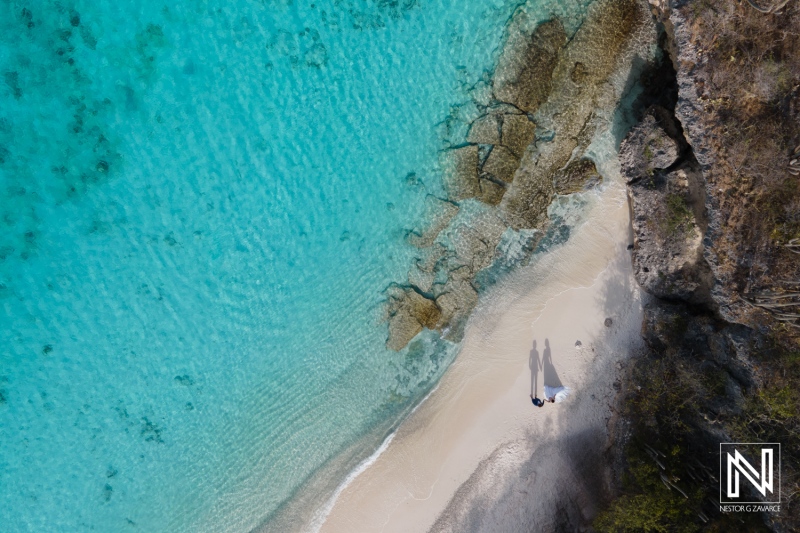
x: 740, y: 472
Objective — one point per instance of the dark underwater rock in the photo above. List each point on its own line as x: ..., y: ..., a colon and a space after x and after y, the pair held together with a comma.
x: 577, y: 176
x: 461, y: 173
x: 485, y: 130
x: 440, y: 213
x: 491, y: 191
x: 409, y: 312
x: 524, y: 73
x: 517, y: 133
x: 501, y: 163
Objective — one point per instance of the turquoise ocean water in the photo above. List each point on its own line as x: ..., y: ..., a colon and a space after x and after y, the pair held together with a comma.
x: 201, y: 204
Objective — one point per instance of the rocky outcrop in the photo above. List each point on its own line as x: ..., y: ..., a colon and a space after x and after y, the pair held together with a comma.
x: 517, y: 134
x: 654, y: 144
x: 498, y: 140
x: 691, y: 112
x: 544, y: 82
x: 667, y: 213
x: 485, y: 129
x: 501, y: 164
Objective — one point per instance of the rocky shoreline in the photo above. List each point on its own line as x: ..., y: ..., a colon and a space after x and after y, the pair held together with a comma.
x: 550, y: 93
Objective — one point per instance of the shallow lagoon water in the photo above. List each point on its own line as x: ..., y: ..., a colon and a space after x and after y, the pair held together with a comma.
x: 201, y: 206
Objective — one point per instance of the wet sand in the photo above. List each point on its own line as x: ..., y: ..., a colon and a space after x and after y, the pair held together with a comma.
x: 477, y: 455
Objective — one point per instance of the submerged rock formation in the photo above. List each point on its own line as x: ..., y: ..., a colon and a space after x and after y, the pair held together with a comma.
x: 596, y: 51
x: 461, y: 174
x: 576, y: 177
x: 409, y: 312
x: 501, y: 176
x: 440, y: 213
x: 525, y: 73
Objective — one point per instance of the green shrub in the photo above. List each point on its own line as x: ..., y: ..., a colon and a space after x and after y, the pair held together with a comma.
x: 679, y: 216
x: 658, y: 511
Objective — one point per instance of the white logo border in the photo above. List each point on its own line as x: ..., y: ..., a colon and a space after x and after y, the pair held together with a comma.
x: 721, y: 470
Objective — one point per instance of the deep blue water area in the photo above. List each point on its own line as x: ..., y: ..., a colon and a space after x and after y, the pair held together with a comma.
x: 201, y: 204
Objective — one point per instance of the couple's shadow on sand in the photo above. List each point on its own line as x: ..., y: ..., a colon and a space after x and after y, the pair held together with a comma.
x: 543, y: 363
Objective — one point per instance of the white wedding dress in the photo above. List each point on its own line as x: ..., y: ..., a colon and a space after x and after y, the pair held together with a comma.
x: 560, y: 393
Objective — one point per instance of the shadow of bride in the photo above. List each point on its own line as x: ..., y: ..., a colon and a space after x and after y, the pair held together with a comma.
x: 551, y: 378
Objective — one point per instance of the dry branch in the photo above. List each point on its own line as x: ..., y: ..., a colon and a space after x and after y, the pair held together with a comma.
x: 773, y: 297
x: 768, y: 10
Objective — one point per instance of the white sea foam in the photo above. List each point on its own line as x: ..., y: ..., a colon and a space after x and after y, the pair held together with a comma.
x: 322, y: 513
x: 325, y: 510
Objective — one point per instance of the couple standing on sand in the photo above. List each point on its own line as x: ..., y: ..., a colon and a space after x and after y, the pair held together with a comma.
x: 551, y: 395
x: 554, y: 391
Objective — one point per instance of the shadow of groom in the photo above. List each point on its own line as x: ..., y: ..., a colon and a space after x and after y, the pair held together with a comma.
x: 535, y: 364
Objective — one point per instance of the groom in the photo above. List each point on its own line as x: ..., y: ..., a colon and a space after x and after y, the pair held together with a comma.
x: 537, y: 402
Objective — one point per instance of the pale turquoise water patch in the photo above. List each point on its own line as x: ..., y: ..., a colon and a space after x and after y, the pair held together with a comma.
x: 200, y: 207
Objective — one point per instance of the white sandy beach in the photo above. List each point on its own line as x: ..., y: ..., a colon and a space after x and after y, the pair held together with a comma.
x: 477, y: 455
